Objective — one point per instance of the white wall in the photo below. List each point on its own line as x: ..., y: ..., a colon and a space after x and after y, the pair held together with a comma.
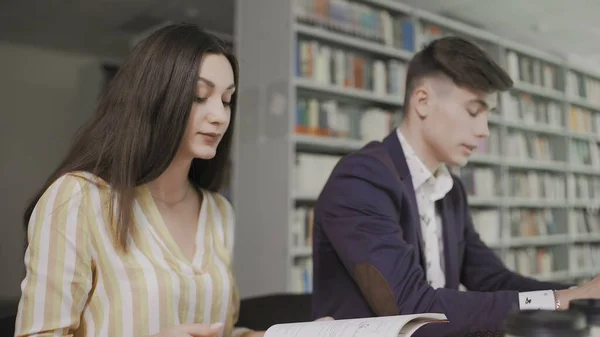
x: 45, y: 96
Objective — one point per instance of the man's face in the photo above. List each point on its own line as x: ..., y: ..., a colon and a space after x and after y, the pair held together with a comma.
x: 454, y: 119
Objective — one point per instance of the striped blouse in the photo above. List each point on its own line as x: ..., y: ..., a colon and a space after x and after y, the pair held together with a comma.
x: 77, y: 284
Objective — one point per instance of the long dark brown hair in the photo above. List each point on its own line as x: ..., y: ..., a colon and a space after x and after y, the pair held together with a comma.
x: 141, y: 119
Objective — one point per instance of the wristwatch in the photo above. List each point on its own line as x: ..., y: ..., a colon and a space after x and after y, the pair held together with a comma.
x: 556, y: 301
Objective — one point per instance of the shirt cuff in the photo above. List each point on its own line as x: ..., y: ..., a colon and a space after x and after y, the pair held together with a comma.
x: 537, y: 300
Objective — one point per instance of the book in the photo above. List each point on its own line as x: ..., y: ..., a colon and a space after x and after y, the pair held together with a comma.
x: 386, y: 326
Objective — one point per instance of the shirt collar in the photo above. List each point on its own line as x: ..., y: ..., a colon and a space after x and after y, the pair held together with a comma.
x: 442, y: 182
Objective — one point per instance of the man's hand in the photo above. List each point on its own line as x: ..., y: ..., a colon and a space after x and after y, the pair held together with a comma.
x: 590, y: 290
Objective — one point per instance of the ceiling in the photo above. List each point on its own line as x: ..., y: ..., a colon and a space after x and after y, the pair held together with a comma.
x: 565, y: 27
x: 103, y: 27
x: 106, y: 27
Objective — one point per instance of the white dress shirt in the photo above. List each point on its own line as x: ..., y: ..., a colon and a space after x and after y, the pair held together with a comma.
x: 428, y: 189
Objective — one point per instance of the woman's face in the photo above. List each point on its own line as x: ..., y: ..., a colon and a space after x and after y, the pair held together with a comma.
x: 211, y: 111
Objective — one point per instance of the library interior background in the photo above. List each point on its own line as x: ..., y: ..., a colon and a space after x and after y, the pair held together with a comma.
x: 533, y: 185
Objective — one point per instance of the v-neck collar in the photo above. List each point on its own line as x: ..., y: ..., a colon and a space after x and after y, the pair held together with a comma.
x: 157, y: 222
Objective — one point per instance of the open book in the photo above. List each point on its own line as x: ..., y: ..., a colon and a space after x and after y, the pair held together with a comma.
x: 387, y: 326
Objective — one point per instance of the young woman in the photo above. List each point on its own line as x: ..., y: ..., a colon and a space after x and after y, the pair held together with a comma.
x: 129, y: 236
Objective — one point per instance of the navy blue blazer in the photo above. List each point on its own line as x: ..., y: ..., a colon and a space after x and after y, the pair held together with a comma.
x: 368, y: 259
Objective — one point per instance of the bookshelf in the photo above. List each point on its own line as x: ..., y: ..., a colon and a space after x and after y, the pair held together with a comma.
x: 313, y: 88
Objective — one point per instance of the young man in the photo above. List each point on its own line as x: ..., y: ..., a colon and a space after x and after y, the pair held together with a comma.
x: 393, y: 234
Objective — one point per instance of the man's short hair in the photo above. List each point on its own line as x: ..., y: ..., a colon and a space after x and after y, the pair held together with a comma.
x: 459, y: 59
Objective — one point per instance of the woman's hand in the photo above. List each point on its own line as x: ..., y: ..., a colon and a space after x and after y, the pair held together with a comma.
x: 262, y: 333
x: 254, y: 334
x: 192, y: 330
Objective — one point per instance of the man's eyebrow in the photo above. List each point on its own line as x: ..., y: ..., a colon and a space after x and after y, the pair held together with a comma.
x: 212, y: 85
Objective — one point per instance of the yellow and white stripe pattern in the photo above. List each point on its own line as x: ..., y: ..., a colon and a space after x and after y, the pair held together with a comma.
x: 77, y: 284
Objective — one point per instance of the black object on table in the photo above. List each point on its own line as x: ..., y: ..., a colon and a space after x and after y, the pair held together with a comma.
x: 8, y: 315
x: 261, y: 312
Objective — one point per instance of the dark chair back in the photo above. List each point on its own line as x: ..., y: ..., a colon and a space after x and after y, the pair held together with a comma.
x: 8, y: 315
x: 262, y: 312
x: 7, y: 325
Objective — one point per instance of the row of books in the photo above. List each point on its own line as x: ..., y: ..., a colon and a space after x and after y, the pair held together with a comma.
x: 359, y: 20
x: 431, y: 32
x: 530, y: 261
x: 312, y: 171
x: 523, y: 223
x: 302, y: 276
x: 585, y: 256
x: 582, y: 120
x: 525, y: 261
x: 584, y: 222
x: 302, y: 226
x: 582, y: 86
x: 480, y: 181
x: 530, y: 70
x: 584, y: 152
x: 348, y: 68
x: 532, y: 223
x: 537, y: 185
x: 584, y: 187
x: 333, y: 118
x: 532, y: 110
x: 487, y: 224
x: 491, y: 144
x: 526, y: 145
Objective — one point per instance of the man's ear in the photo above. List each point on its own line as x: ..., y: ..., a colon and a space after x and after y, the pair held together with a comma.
x: 421, y: 100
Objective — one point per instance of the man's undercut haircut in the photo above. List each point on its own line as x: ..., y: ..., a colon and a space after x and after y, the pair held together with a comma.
x: 460, y: 60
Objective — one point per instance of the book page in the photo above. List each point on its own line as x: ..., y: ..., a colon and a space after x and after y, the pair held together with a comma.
x: 388, y: 326
x: 415, y: 324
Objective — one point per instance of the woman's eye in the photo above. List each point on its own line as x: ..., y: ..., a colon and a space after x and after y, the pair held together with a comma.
x: 225, y: 103
x: 199, y: 99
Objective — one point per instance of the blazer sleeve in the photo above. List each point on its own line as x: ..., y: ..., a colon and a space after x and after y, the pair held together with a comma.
x: 361, y: 219
x: 484, y: 271
x: 58, y: 264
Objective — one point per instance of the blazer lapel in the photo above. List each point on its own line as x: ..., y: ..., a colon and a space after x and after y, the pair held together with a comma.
x: 394, y: 149
x: 450, y: 242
